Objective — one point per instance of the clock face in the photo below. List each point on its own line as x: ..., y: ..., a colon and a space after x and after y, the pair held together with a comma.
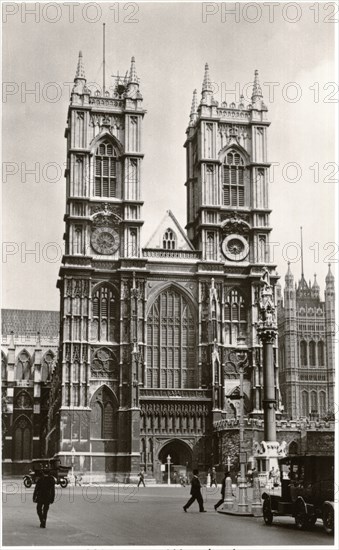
x: 235, y: 247
x: 105, y: 240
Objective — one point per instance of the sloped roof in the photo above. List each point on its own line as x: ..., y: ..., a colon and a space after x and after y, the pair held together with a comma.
x: 169, y: 221
x: 27, y: 321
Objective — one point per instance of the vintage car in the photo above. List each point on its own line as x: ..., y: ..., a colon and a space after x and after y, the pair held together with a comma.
x: 307, y: 492
x: 51, y: 465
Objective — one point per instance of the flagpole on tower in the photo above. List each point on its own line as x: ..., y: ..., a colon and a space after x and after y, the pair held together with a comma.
x: 103, y: 60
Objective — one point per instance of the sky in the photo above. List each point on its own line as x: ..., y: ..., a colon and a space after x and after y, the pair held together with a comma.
x: 293, y: 49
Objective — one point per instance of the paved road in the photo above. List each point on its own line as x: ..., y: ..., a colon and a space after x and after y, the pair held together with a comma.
x: 113, y: 516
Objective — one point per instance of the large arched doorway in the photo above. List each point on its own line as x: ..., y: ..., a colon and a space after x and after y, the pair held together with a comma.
x: 181, y: 460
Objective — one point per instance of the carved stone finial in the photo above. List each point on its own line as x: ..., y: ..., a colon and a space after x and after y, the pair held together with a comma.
x: 80, y: 72
x: 257, y: 92
x: 133, y: 79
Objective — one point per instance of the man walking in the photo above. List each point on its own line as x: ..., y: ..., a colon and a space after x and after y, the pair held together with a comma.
x: 44, y: 494
x: 141, y: 478
x: 196, y: 493
x: 214, y: 478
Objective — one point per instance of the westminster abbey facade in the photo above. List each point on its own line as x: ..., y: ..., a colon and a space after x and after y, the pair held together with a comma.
x: 144, y: 365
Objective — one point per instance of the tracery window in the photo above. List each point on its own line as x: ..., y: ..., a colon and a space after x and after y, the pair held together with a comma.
x: 321, y: 354
x: 312, y: 354
x: 234, y: 179
x: 322, y: 403
x: 22, y: 439
x: 105, y: 315
x: 169, y: 239
x: 46, y: 367
x: 103, y: 415
x: 105, y: 170
x: 23, y: 366
x: 314, y: 402
x: 305, y: 405
x: 171, y: 342
x: 235, y: 317
x: 303, y: 353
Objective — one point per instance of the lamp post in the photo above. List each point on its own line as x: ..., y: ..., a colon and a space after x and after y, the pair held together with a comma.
x: 168, y: 470
x: 267, y: 331
x: 72, y: 461
x: 238, y: 357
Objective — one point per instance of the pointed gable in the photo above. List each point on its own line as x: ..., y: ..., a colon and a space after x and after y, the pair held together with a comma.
x: 169, y: 235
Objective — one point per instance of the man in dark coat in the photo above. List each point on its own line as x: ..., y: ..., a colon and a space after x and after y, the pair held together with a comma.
x: 196, y: 493
x: 44, y: 494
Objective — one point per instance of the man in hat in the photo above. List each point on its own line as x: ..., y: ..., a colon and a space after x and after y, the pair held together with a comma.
x: 44, y: 494
x: 195, y: 493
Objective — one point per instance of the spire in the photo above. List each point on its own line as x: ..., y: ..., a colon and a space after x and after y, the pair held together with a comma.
x: 133, y: 79
x: 257, y: 92
x: 315, y: 282
x: 289, y: 279
x: 206, y: 85
x: 207, y: 88
x: 194, y: 108
x: 80, y: 72
x: 329, y: 277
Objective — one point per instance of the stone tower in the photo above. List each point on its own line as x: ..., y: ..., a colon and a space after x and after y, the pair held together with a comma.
x: 228, y: 221
x: 148, y: 336
x: 100, y: 290
x: 306, y: 347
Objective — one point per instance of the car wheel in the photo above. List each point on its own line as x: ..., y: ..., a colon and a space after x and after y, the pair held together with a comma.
x: 27, y: 482
x: 328, y: 519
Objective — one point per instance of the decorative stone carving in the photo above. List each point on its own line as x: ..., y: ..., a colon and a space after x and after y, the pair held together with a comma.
x: 23, y: 401
x: 105, y: 215
x: 235, y: 224
x: 104, y: 364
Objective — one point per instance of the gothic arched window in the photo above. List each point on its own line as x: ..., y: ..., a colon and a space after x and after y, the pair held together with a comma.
x: 303, y: 353
x: 321, y: 354
x: 312, y: 353
x: 169, y: 239
x: 171, y: 350
x: 322, y: 403
x: 233, y: 179
x: 46, y: 367
x: 23, y: 366
x: 104, y: 415
x: 105, y: 170
x: 304, y: 403
x: 235, y: 317
x: 105, y: 315
x: 314, y: 402
x: 22, y: 439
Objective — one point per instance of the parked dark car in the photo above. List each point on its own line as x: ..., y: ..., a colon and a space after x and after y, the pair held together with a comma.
x: 307, y: 492
x: 51, y: 465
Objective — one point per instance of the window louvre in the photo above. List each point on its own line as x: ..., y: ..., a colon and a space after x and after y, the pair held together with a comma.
x: 105, y: 171
x: 234, y: 180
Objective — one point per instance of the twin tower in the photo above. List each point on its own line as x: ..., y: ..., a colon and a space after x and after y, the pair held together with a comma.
x: 147, y: 334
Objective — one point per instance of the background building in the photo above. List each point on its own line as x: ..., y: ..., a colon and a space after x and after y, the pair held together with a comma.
x: 306, y: 347
x: 28, y: 353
